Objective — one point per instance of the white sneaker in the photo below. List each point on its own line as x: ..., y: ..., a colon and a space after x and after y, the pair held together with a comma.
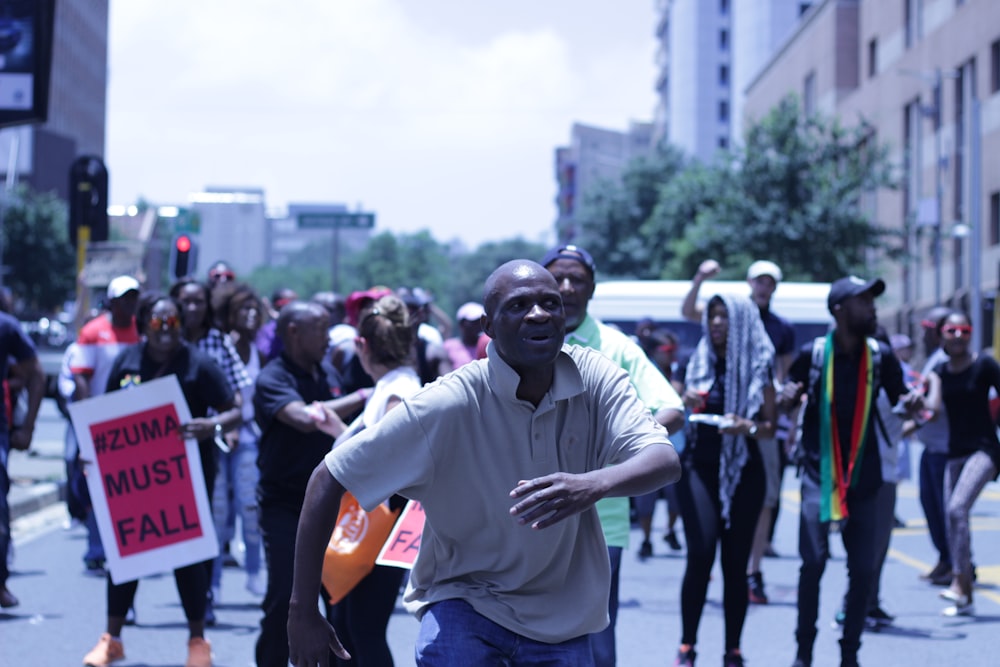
x: 255, y: 584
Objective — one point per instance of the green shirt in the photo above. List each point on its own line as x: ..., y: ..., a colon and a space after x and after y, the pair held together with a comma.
x: 653, y: 389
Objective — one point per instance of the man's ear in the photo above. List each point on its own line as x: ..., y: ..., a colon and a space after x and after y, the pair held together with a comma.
x: 486, y: 325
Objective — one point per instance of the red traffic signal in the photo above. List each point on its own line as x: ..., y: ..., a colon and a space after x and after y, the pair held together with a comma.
x: 183, y: 256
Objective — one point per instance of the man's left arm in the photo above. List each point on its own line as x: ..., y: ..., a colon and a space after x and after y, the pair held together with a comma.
x: 894, y: 384
x: 30, y: 372
x: 547, y: 500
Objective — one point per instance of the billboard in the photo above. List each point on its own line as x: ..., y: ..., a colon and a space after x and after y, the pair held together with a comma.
x: 26, y: 28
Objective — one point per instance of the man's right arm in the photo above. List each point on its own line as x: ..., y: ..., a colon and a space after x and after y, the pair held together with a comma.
x: 689, y: 307
x: 310, y: 637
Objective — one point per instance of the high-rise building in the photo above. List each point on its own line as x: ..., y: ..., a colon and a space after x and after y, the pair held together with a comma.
x: 594, y: 154
x: 709, y: 52
x: 77, y: 101
x: 924, y: 77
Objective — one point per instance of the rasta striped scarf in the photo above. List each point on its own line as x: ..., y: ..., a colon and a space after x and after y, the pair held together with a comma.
x: 834, y: 479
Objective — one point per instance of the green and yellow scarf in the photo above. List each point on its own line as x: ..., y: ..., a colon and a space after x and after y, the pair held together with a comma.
x: 833, y: 483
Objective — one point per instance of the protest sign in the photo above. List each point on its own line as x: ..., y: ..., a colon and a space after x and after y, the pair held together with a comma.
x: 145, y: 480
x: 400, y: 549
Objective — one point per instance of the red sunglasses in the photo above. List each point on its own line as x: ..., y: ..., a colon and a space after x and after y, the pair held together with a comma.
x: 956, y: 330
x: 157, y: 323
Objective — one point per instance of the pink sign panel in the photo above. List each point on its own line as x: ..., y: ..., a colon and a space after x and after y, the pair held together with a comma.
x: 146, y: 477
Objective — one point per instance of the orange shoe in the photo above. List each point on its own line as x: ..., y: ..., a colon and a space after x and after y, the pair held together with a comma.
x: 108, y: 650
x: 199, y: 653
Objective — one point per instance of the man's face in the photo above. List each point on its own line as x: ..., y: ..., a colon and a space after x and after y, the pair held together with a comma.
x: 761, y: 290
x: 576, y: 287
x: 123, y: 308
x: 310, y: 334
x: 526, y: 320
x: 858, y: 314
x: 195, y: 304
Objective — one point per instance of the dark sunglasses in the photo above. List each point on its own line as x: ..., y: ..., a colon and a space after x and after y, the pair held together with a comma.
x: 158, y: 323
x: 221, y: 276
x: 956, y: 330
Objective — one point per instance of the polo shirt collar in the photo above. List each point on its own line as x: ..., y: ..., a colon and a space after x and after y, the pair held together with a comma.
x: 566, y: 381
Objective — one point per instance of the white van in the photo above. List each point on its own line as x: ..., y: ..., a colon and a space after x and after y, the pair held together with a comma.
x: 625, y: 302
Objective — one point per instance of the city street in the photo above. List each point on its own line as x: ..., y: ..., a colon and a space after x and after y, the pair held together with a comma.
x: 61, y: 611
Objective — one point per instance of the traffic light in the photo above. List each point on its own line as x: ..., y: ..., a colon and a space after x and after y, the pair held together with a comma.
x: 88, y: 198
x: 183, y: 256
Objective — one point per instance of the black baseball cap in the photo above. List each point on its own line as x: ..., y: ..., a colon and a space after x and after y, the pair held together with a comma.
x: 845, y: 288
x: 573, y: 252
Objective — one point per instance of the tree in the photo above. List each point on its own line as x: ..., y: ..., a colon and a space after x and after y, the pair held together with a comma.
x: 38, y: 257
x: 790, y: 194
x: 612, y: 213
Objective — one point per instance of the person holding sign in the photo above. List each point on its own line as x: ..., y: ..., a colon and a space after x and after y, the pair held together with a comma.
x: 507, y: 457
x: 163, y: 352
x: 383, y: 345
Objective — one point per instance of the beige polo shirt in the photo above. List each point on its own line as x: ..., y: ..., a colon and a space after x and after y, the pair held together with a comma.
x: 461, y: 444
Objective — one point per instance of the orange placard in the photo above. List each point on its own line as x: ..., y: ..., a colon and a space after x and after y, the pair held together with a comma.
x: 401, y: 549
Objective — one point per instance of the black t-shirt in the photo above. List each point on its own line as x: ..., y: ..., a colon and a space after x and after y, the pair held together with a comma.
x: 966, y: 397
x: 845, y: 388
x: 705, y: 448
x: 202, y: 381
x: 286, y: 455
x: 780, y: 331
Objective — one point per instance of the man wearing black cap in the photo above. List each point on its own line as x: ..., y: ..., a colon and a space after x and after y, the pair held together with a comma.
x: 842, y: 374
x: 573, y: 268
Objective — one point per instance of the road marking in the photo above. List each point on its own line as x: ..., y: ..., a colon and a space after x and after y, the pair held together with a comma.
x: 989, y: 575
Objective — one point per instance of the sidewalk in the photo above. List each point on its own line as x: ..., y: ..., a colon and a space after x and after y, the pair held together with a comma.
x: 38, y: 476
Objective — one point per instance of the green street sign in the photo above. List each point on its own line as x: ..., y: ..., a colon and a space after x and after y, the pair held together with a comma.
x: 336, y: 220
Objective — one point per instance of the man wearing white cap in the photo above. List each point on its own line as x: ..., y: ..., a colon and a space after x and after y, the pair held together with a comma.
x: 763, y: 277
x: 99, y: 342
x: 462, y: 349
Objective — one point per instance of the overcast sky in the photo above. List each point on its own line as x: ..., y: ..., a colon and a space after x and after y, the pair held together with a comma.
x: 435, y: 114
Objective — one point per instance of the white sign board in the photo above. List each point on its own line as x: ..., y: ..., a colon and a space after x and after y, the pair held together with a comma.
x: 145, y: 480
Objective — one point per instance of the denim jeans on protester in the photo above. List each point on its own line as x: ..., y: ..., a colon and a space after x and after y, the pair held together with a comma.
x: 603, y: 643
x: 238, y: 473
x: 4, y: 509
x: 932, y: 467
x: 453, y: 634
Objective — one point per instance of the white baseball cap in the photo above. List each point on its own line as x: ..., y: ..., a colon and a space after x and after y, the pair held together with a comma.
x: 121, y: 285
x: 763, y: 267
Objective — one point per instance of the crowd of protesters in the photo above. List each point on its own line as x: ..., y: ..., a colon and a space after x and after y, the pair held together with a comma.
x: 272, y: 383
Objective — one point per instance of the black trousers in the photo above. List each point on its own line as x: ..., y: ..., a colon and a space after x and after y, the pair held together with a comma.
x: 859, y: 533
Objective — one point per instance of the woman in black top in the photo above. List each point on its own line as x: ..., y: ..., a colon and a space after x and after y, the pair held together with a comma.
x: 730, y: 378
x: 962, y: 384
x: 163, y: 352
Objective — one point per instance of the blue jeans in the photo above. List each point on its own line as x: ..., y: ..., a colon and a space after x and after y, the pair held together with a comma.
x: 4, y: 509
x: 236, y: 495
x: 603, y: 643
x: 932, y: 467
x: 453, y: 634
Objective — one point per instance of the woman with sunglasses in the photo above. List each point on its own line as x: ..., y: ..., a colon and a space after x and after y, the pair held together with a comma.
x: 962, y: 384
x: 164, y: 352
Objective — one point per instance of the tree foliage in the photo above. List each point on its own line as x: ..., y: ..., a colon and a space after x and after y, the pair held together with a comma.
x: 39, y: 259
x: 612, y: 213
x: 791, y: 194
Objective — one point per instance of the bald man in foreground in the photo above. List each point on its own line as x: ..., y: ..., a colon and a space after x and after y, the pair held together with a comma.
x: 507, y: 456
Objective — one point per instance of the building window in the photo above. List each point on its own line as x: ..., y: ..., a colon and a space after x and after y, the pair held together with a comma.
x: 723, y: 142
x: 723, y: 75
x: 995, y: 218
x: 809, y: 94
x: 724, y: 111
x: 872, y: 57
x: 965, y: 92
x: 723, y: 7
x: 723, y: 40
x: 995, y: 67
